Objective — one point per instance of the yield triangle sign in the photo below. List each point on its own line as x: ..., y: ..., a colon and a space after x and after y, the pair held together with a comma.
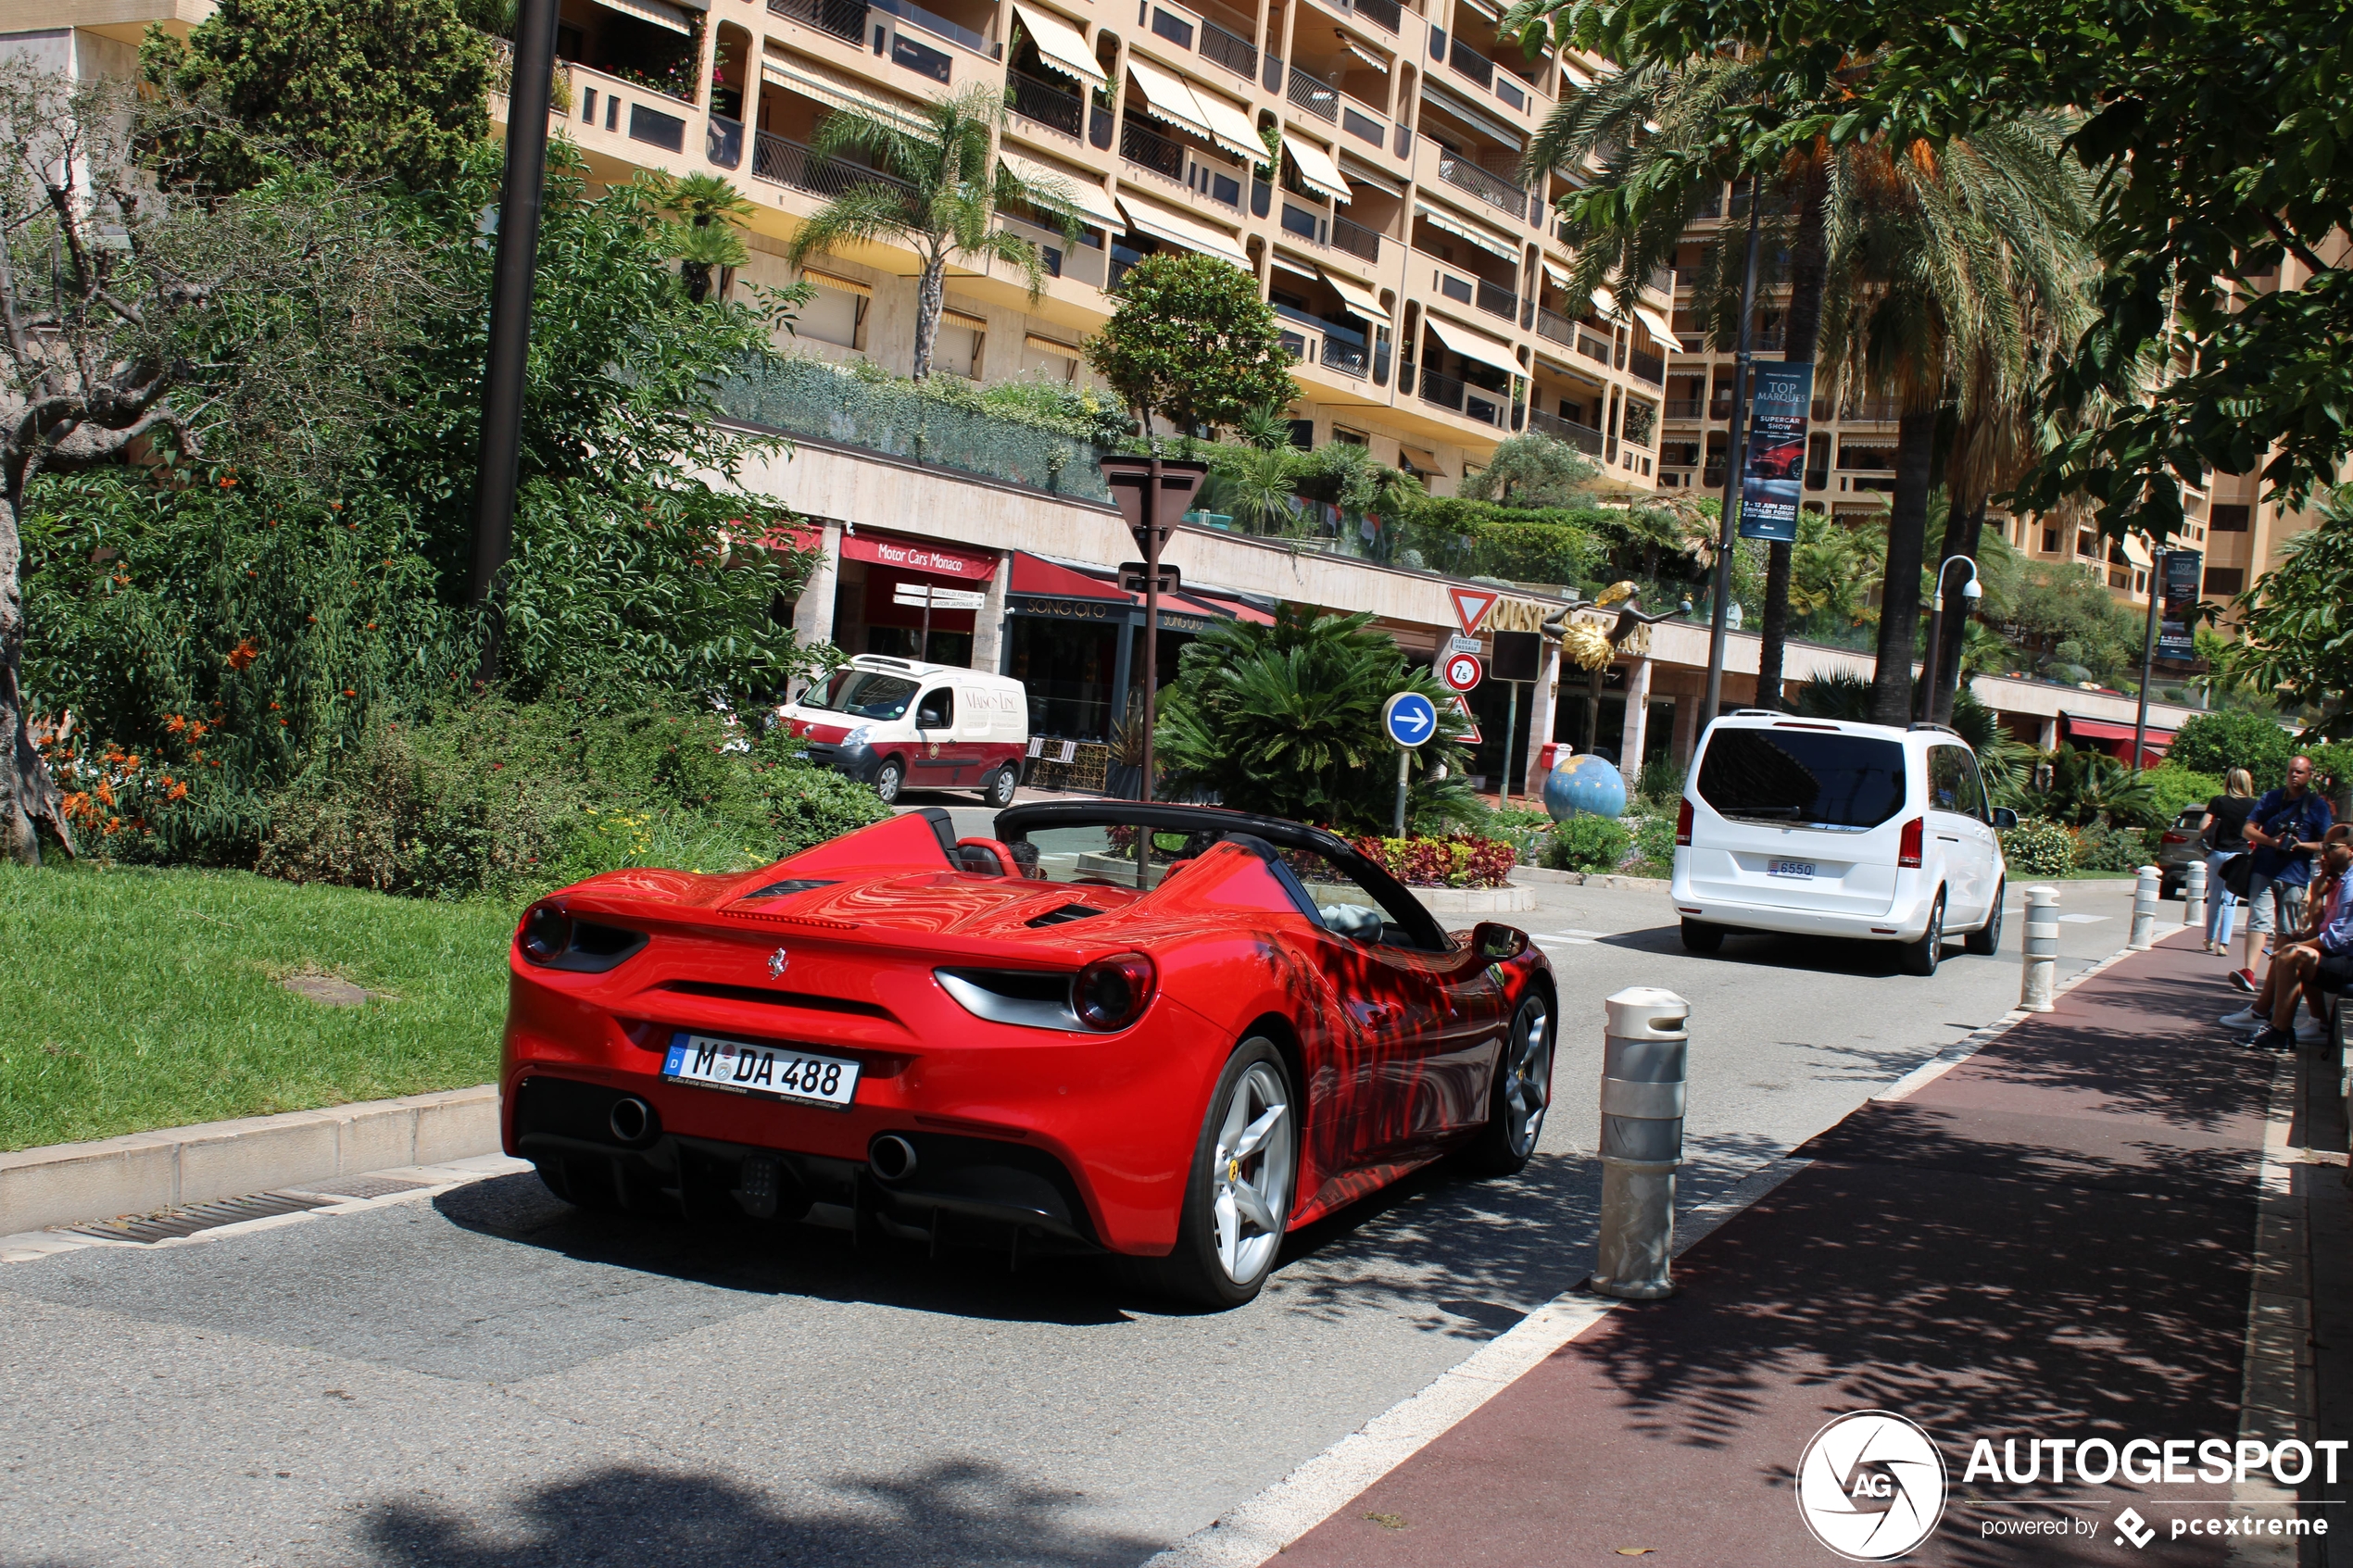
x: 1462, y: 705
x: 1471, y: 606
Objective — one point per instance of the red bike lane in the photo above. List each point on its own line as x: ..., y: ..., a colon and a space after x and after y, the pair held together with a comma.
x: 2053, y: 1239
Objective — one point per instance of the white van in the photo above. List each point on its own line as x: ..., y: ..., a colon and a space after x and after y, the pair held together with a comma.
x: 898, y: 725
x: 1820, y: 827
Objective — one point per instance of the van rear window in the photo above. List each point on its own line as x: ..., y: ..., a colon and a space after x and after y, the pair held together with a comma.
x: 1811, y: 778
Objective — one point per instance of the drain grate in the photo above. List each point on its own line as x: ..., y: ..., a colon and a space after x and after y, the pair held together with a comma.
x: 366, y: 1186
x: 188, y: 1220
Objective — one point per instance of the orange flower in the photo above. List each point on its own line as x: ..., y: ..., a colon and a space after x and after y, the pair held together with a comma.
x: 175, y: 723
x: 131, y: 761
x: 348, y: 692
x: 334, y: 506
x: 243, y: 654
x: 228, y: 484
x: 273, y: 707
x: 105, y: 792
x: 196, y: 730
x: 176, y: 791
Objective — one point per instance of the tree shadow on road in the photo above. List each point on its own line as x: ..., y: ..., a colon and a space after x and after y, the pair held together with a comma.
x: 963, y: 1514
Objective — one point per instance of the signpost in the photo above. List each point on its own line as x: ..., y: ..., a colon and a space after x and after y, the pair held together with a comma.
x: 1461, y: 671
x: 1409, y: 719
x: 1773, y: 474
x: 1153, y: 492
x: 931, y: 598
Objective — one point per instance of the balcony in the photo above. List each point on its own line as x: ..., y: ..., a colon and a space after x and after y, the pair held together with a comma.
x: 1362, y: 126
x: 939, y: 26
x: 1355, y: 239
x: 1554, y: 325
x: 789, y: 163
x: 1315, y: 95
x: 843, y: 18
x: 1054, y: 107
x: 1469, y: 62
x: 1649, y: 367
x: 1492, y: 189
x: 1148, y: 149
x: 1585, y: 438
x: 1876, y: 410
x: 1471, y: 402
x: 1682, y: 408
x: 1231, y: 50
x: 1385, y: 14
x: 1594, y: 348
x: 1498, y: 301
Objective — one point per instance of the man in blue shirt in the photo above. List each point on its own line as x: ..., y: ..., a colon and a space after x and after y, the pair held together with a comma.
x: 2284, y: 832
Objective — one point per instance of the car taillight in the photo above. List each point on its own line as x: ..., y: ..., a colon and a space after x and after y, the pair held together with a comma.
x: 1684, y: 825
x: 1113, y: 993
x: 545, y: 934
x: 1909, y: 854
x: 2177, y: 838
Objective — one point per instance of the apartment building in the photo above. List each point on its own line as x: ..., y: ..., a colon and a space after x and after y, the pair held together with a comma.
x: 1417, y: 278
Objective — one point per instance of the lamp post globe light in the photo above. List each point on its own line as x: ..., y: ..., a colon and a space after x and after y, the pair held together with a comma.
x: 1937, y: 708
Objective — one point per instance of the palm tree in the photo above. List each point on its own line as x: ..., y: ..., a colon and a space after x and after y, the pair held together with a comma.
x: 940, y: 190
x: 707, y: 212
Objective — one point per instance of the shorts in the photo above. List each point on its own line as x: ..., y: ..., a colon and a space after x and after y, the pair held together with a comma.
x: 2335, y: 973
x: 2266, y: 899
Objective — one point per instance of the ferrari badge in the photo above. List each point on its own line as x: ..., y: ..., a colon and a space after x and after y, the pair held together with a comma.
x: 776, y: 962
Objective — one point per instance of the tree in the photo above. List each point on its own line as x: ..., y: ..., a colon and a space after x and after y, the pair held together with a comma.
x: 706, y: 213
x: 940, y: 191
x: 133, y: 325
x: 368, y: 88
x: 1192, y: 340
x: 2300, y: 631
x: 2216, y: 743
x: 1286, y: 719
x: 1533, y: 470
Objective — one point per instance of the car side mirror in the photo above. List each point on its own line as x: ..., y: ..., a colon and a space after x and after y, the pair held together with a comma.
x: 1498, y: 944
x: 2004, y: 819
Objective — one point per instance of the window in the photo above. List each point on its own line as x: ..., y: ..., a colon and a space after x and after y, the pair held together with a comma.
x: 937, y: 710
x: 654, y: 127
x: 2050, y: 541
x: 2086, y: 545
x: 919, y: 58
x: 957, y: 349
x: 2231, y: 519
x: 832, y: 316
x: 862, y: 694
x: 1816, y: 778
x: 2224, y: 579
x: 1952, y: 781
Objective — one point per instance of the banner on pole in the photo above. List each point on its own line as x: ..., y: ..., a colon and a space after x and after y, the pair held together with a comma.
x: 1774, y: 475
x: 2179, y: 573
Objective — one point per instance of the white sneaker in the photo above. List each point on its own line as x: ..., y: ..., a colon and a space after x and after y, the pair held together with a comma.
x: 2312, y: 1032
x: 2245, y: 1017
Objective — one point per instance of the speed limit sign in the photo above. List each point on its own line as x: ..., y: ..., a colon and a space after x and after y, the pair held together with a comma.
x: 1461, y: 671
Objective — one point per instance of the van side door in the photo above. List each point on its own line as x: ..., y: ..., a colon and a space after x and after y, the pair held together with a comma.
x: 1959, y: 834
x: 933, y: 762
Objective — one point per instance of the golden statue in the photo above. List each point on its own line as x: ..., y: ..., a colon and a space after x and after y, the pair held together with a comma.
x: 1584, y: 643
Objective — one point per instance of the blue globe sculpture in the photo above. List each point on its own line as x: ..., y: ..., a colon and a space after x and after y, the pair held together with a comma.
x: 1589, y: 785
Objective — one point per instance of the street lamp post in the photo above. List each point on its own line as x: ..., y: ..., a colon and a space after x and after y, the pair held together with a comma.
x: 528, y: 96
x: 1933, y: 708
x: 1734, y: 461
x: 2148, y: 658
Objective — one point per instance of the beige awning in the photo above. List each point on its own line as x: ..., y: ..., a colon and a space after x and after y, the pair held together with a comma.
x: 1317, y: 169
x: 1555, y: 272
x: 1654, y: 324
x: 2136, y: 550
x: 1171, y: 99
x: 1163, y: 223
x: 1084, y: 191
x: 1061, y: 46
x: 1472, y: 343
x: 1463, y: 230
x: 829, y: 86
x: 835, y: 280
x: 1053, y: 345
x: 963, y: 317
x: 658, y: 12
x: 1604, y: 302
x: 1364, y: 301
x: 1230, y: 127
x: 1364, y: 54
x: 1357, y: 173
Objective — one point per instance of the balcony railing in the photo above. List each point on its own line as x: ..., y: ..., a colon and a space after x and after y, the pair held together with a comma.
x: 1592, y: 347
x: 1348, y: 359
x: 1150, y: 150
x: 1472, y: 403
x: 1231, y: 50
x: 939, y: 26
x: 1585, y: 438
x: 789, y: 163
x: 843, y: 18
x: 1492, y: 189
x: 1355, y: 239
x: 1682, y: 408
x: 1649, y: 367
x: 1315, y: 95
x: 1876, y: 409
x: 1384, y: 13
x: 1471, y: 63
x: 1045, y: 103
x: 1554, y: 325
x: 1498, y: 301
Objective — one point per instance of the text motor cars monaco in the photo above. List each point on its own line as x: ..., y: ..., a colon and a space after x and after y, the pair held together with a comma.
x: 1006, y: 1042
x: 1826, y: 827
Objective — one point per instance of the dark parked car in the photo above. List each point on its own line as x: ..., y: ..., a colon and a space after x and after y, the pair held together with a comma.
x: 2180, y: 848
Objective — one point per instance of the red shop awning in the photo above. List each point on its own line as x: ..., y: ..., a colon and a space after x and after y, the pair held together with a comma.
x: 2100, y: 729
x: 919, y: 555
x: 1033, y: 574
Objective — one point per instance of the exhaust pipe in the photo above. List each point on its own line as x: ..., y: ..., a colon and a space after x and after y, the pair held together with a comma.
x: 630, y: 1119
x: 891, y: 1158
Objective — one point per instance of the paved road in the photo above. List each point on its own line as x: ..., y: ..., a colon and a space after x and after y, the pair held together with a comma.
x: 488, y: 1379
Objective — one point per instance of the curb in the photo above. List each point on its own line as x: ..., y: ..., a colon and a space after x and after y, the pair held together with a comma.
x: 140, y: 1172
x: 1590, y: 879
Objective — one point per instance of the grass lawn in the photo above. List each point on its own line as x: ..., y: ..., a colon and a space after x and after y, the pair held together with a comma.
x: 135, y: 998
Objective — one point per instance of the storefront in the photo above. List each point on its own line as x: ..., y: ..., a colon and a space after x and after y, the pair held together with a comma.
x: 874, y: 611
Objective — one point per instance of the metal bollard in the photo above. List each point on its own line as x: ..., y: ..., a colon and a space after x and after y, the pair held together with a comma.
x: 2042, y: 950
x: 2144, y: 912
x: 2193, y: 894
x: 1645, y: 1047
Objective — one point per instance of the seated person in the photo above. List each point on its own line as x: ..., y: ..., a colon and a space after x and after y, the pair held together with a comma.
x: 2298, y: 966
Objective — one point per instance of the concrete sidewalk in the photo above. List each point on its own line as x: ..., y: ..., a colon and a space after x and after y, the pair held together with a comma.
x: 2056, y: 1238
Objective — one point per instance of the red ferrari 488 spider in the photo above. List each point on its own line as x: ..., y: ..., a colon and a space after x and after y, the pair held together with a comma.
x: 1168, y: 1032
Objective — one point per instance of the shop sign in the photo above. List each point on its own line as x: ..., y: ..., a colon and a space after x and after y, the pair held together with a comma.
x: 908, y: 556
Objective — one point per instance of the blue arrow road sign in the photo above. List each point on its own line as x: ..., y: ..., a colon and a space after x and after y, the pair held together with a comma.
x: 1409, y: 718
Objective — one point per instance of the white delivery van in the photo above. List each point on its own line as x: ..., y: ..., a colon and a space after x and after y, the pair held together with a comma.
x: 1822, y: 827
x: 898, y: 725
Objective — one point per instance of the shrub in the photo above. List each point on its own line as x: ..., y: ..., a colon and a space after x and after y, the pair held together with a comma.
x: 2173, y: 789
x: 1526, y: 832
x: 1459, y: 859
x: 1661, y: 783
x: 1588, y: 844
x: 2100, y: 847
x: 1655, y: 844
x: 2215, y: 743
x: 2039, y: 847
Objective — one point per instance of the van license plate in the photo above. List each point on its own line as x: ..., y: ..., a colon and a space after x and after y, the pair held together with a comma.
x: 1789, y: 868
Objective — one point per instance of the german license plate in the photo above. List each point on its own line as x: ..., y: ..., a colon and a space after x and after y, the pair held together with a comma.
x: 1789, y: 868
x: 771, y: 1071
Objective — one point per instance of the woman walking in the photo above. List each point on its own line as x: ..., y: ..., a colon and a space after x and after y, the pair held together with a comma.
x: 2224, y: 835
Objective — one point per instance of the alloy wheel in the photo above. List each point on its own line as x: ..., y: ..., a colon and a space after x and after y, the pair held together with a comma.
x: 1252, y: 1174
x: 1527, y: 1078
